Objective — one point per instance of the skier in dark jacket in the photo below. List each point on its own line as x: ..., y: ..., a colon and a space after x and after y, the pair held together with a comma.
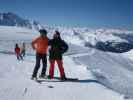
x: 57, y: 48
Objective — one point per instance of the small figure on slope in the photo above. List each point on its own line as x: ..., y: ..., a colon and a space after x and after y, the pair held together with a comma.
x: 23, y: 50
x: 17, y: 52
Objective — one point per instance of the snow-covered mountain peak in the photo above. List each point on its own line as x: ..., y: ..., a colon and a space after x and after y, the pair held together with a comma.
x: 12, y: 19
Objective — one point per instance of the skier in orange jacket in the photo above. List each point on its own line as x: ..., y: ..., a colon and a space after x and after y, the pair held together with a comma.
x: 40, y: 44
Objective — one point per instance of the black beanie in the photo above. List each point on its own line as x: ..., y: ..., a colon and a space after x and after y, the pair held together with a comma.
x: 57, y: 33
x: 43, y: 31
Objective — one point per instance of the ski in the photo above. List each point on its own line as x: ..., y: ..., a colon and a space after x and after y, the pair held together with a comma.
x: 55, y: 79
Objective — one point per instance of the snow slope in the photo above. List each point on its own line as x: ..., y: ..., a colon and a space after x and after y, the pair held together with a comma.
x: 16, y: 83
x: 80, y: 62
x: 128, y: 55
x: 113, y: 70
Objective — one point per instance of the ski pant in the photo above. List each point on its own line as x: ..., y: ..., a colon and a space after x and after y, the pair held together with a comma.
x: 23, y: 53
x: 40, y: 57
x: 19, y: 57
x: 60, y: 66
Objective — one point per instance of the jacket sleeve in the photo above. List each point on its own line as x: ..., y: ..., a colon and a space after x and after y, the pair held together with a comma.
x: 33, y: 43
x: 64, y: 47
x: 49, y: 42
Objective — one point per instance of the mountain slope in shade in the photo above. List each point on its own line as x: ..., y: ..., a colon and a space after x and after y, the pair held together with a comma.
x: 11, y: 19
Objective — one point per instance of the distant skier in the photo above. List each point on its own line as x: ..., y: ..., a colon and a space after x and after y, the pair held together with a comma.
x: 23, y: 49
x: 17, y: 52
x: 40, y: 44
x: 57, y: 48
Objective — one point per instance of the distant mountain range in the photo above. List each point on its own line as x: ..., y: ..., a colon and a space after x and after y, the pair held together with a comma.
x: 11, y: 19
x: 113, y: 40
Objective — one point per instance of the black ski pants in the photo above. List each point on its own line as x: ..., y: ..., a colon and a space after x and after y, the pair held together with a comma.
x: 40, y: 57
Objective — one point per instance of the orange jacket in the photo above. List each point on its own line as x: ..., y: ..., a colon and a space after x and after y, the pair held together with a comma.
x: 40, y: 44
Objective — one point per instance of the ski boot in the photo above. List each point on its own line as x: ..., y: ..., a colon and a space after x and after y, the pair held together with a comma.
x: 49, y: 77
x: 33, y: 78
x: 43, y: 76
x: 63, y: 78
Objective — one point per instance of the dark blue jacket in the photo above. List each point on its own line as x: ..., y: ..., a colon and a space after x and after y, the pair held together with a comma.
x: 57, y: 48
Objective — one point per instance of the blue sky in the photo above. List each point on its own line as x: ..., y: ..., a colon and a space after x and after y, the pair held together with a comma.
x: 84, y: 13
